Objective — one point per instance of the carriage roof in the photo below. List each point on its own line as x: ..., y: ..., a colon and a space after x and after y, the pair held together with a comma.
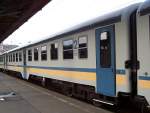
x: 102, y: 20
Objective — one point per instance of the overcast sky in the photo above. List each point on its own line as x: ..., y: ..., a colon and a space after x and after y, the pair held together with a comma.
x: 62, y: 14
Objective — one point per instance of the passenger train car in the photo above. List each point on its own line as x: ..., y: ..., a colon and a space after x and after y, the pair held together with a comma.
x: 104, y: 60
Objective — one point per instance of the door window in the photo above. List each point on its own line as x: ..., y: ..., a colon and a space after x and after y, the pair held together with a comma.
x: 105, y: 50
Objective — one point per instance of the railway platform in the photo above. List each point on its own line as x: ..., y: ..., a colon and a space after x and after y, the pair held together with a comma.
x: 30, y: 98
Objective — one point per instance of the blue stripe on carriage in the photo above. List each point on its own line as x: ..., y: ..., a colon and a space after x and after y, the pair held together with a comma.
x: 141, y: 77
x: 61, y: 68
x: 118, y: 71
x: 144, y: 77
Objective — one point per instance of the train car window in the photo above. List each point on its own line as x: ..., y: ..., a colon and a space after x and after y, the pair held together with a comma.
x: 13, y: 57
x: 16, y: 57
x: 6, y: 58
x: 30, y: 55
x: 44, y: 53
x: 54, y: 51
x: 36, y: 54
x: 68, y: 49
x: 20, y: 56
x: 82, y: 50
x: 105, y: 50
x: 9, y: 58
x: 1, y: 59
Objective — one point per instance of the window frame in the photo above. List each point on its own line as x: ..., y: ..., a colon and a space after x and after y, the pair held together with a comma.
x: 11, y: 57
x: 45, y: 53
x: 14, y: 57
x: 68, y: 49
x: 20, y: 58
x: 57, y: 51
x: 1, y: 58
x: 83, y: 47
x: 36, y: 48
x: 8, y: 58
x: 29, y: 55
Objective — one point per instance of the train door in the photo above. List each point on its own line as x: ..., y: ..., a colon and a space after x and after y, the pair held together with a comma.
x: 105, y: 61
x: 24, y: 64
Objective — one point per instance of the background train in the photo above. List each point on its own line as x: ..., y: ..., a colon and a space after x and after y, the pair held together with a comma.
x: 104, y: 60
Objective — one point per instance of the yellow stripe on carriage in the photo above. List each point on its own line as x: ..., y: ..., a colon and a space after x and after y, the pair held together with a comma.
x: 15, y: 68
x: 91, y: 76
x: 20, y: 69
x: 144, y: 84
x: 121, y: 79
